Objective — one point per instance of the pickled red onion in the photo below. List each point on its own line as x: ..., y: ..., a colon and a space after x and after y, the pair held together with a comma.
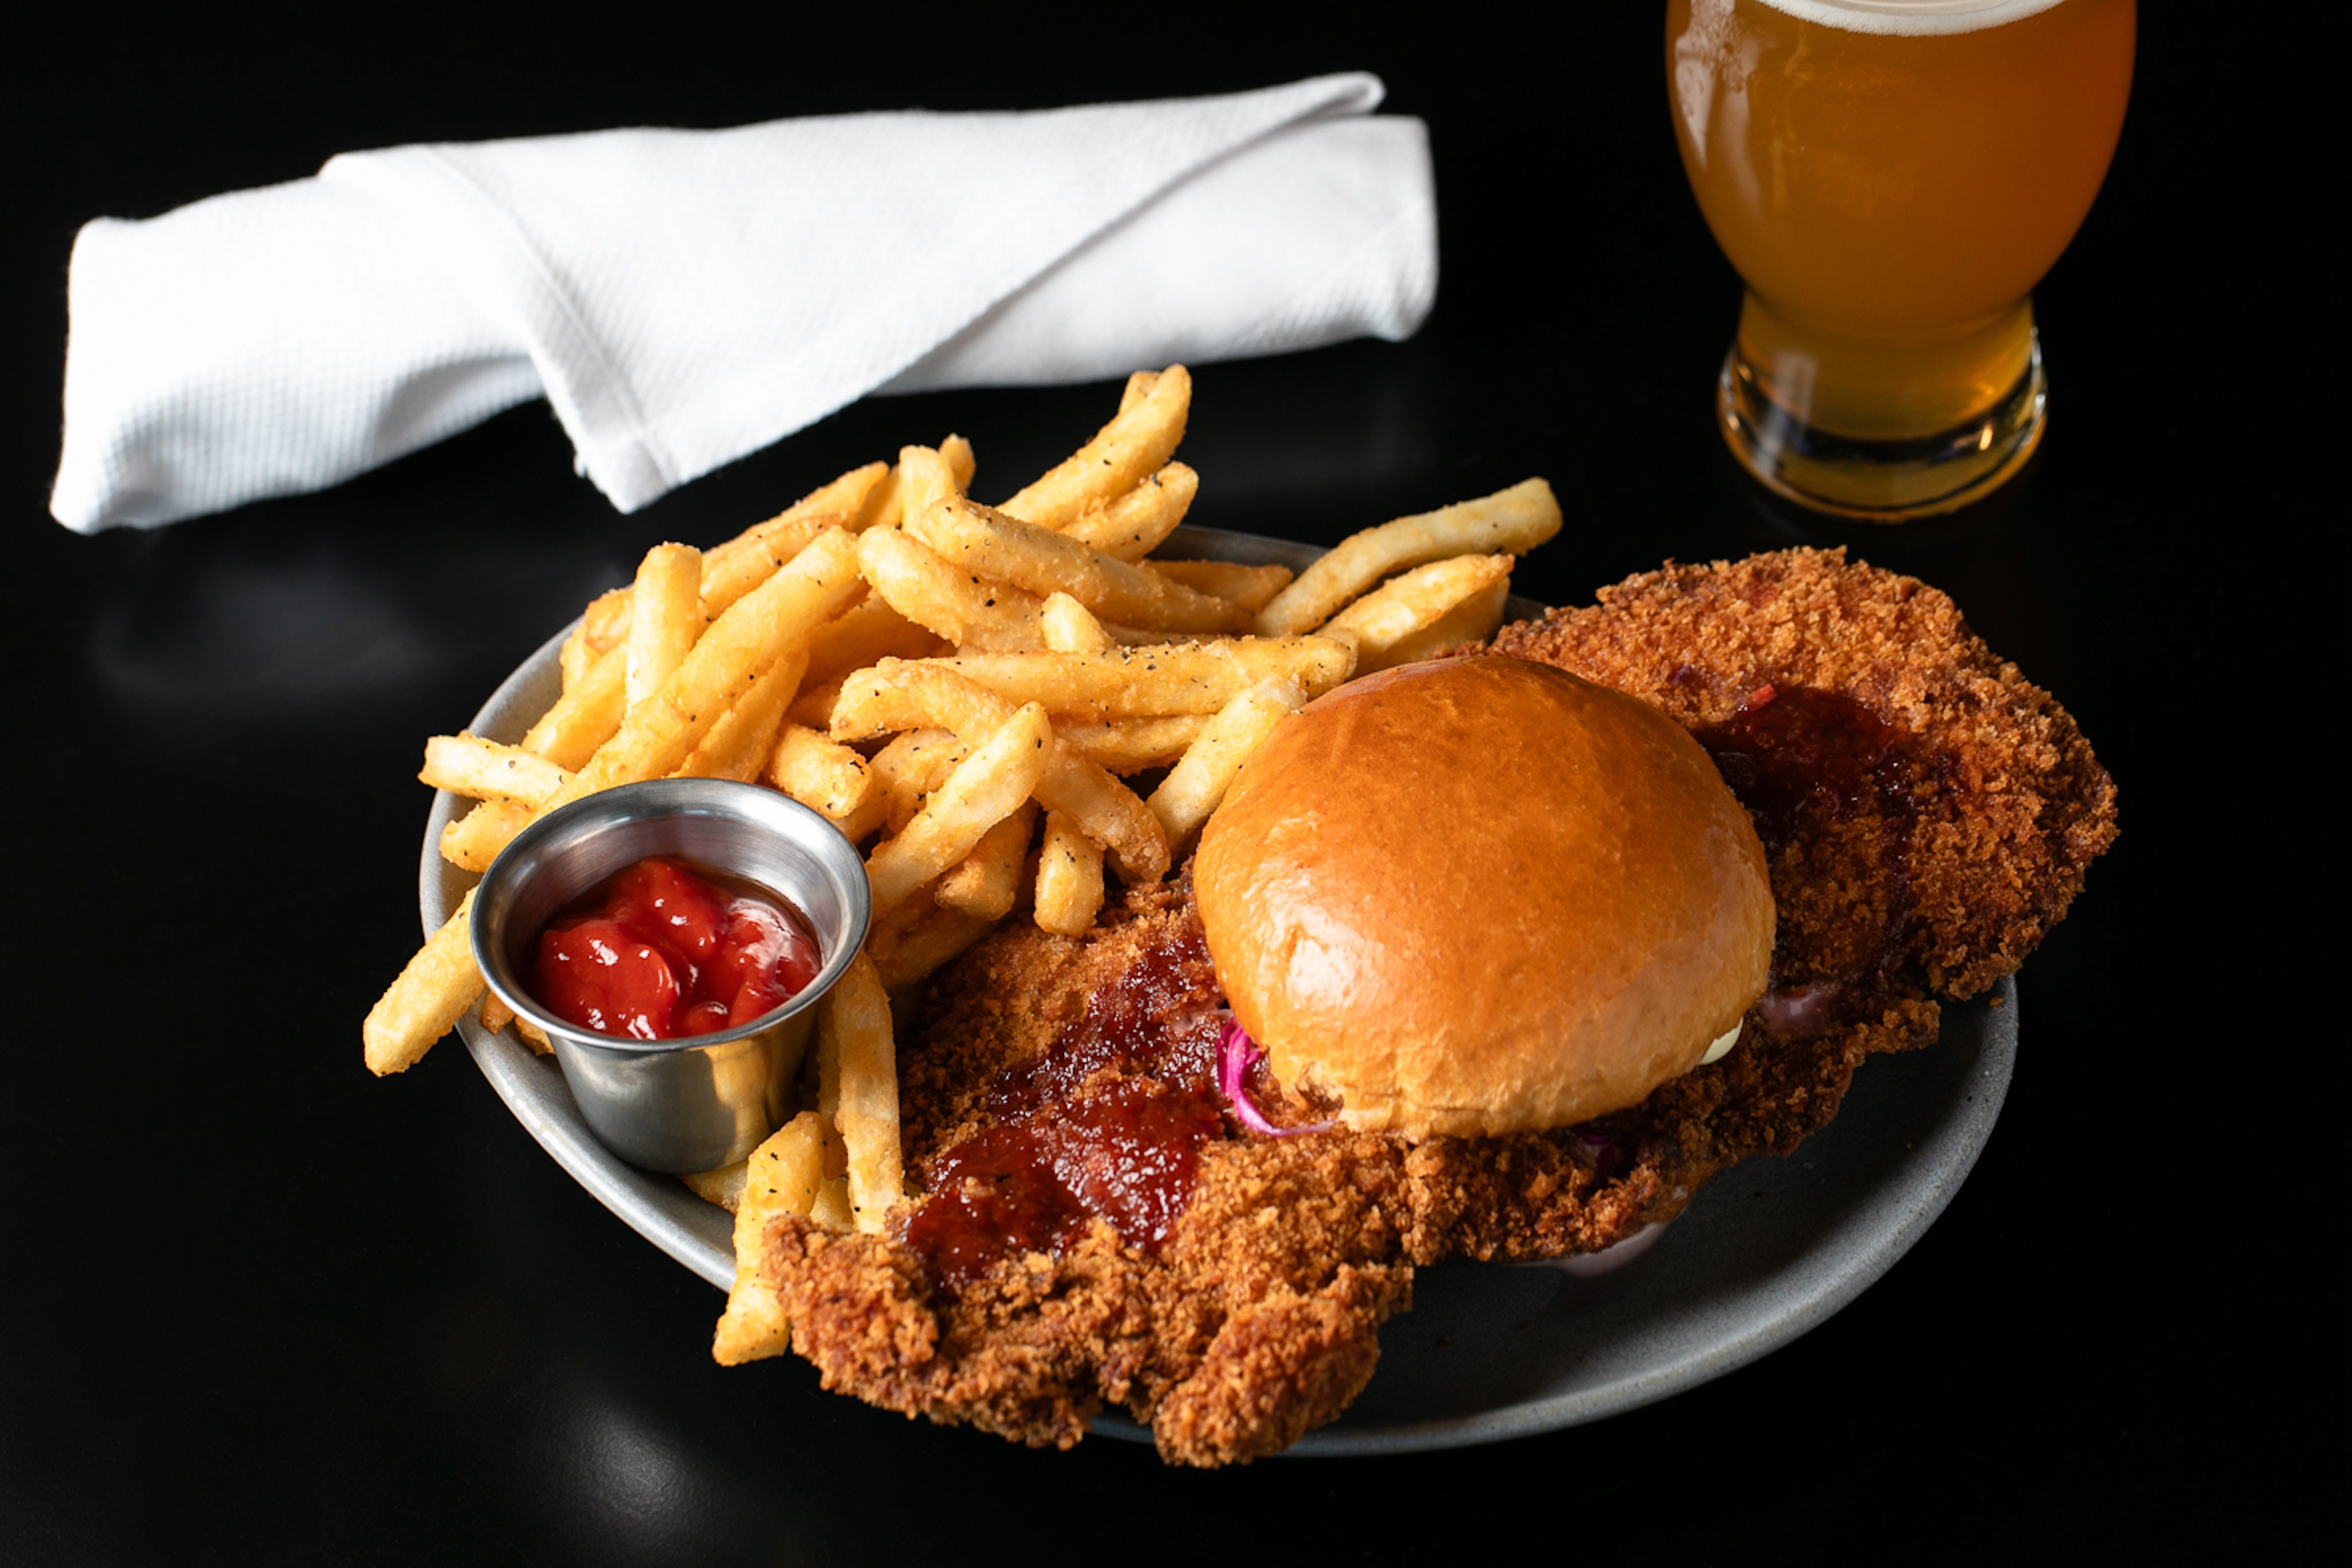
x: 1237, y: 1054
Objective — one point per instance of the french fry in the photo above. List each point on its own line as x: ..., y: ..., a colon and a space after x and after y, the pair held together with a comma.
x: 496, y: 1014
x: 1195, y: 785
x: 1069, y: 878
x: 576, y: 655
x: 986, y: 788
x: 913, y: 953
x: 1251, y: 587
x: 472, y: 841
x: 822, y: 774
x: 914, y: 764
x: 659, y: 732
x: 1070, y: 628
x: 732, y: 570
x: 433, y: 992
x: 664, y: 616
x: 1132, y: 525
x: 958, y: 605
x: 1136, y: 443
x: 1128, y: 682
x: 853, y: 1024
x: 1472, y: 621
x: 887, y: 507
x: 986, y: 882
x: 1387, y: 624
x: 832, y: 1209
x: 533, y: 1036
x: 586, y: 716
x: 975, y: 540
x: 782, y: 1176
x: 925, y: 479
x: 739, y: 745
x: 1509, y: 522
x: 723, y: 1186
x: 868, y: 630
x: 1139, y: 386
x: 919, y: 694
x: 465, y: 764
x: 1132, y: 744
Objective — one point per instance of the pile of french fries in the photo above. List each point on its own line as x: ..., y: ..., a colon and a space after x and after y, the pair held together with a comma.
x: 974, y: 694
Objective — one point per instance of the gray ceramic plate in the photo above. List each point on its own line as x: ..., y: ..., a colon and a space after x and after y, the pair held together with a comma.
x: 1765, y: 1252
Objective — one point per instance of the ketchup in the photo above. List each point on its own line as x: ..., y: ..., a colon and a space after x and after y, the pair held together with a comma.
x: 659, y: 951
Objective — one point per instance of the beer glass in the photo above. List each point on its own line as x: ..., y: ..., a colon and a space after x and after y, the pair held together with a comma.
x: 1891, y: 178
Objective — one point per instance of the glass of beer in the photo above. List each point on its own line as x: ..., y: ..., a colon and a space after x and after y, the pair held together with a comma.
x: 1892, y: 177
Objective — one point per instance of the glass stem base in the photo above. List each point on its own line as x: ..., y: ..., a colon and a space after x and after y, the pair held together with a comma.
x: 1884, y: 481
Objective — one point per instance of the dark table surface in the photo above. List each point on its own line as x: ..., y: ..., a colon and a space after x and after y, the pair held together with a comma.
x: 260, y: 1306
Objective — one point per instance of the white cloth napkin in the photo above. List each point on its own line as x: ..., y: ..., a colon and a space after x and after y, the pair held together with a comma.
x: 686, y: 297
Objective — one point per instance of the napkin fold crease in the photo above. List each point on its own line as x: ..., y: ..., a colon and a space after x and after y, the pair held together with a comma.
x: 683, y: 298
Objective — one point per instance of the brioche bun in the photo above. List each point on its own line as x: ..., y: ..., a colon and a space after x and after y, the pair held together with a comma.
x: 1480, y: 895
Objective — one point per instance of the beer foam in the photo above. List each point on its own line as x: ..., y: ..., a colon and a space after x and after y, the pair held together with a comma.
x: 1911, y: 19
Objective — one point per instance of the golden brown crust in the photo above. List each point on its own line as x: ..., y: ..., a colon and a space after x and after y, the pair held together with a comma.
x: 1257, y: 1320
x: 1997, y: 853
x: 1481, y: 895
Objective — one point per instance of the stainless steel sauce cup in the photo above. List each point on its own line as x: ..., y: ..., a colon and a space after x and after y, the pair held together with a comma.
x: 701, y: 1101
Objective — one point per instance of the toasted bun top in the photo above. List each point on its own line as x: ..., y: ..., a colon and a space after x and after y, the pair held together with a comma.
x: 1480, y: 895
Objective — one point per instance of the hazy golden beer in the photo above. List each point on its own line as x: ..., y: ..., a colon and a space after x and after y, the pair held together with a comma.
x: 1892, y: 177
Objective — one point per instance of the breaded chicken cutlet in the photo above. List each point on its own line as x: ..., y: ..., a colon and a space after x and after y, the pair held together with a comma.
x: 1098, y: 1228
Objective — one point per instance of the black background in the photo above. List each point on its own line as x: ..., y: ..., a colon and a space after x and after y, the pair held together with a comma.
x: 258, y: 1306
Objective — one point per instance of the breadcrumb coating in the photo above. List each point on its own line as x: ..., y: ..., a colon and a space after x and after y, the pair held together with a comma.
x: 1258, y: 1318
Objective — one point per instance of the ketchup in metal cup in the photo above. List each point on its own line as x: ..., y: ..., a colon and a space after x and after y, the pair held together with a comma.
x: 661, y: 950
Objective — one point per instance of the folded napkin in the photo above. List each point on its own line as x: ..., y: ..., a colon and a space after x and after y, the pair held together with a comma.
x: 686, y: 297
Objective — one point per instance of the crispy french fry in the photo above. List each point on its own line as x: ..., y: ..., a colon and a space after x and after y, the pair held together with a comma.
x: 867, y: 631
x: 855, y: 1017
x: 986, y: 788
x: 1251, y: 587
x: 887, y: 507
x: 1069, y: 878
x: 664, y: 616
x: 1139, y: 387
x: 1397, y: 612
x: 465, y: 764
x: 1132, y: 744
x: 1129, y: 683
x: 1070, y: 627
x: 1472, y: 621
x: 958, y: 605
x: 821, y: 773
x: 1195, y: 785
x: 915, y: 952
x: 496, y: 1014
x: 576, y: 655
x: 975, y: 540
x: 723, y: 1186
x: 925, y: 479
x: 1132, y: 525
x: 1509, y: 522
x: 831, y: 1208
x: 782, y: 1176
x: 472, y: 841
x: 986, y: 882
x: 1137, y: 443
x: 732, y: 570
x: 905, y: 695
x: 533, y: 1036
x: 911, y: 767
x: 585, y: 716
x: 661, y: 732
x: 738, y: 745
x: 433, y: 992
